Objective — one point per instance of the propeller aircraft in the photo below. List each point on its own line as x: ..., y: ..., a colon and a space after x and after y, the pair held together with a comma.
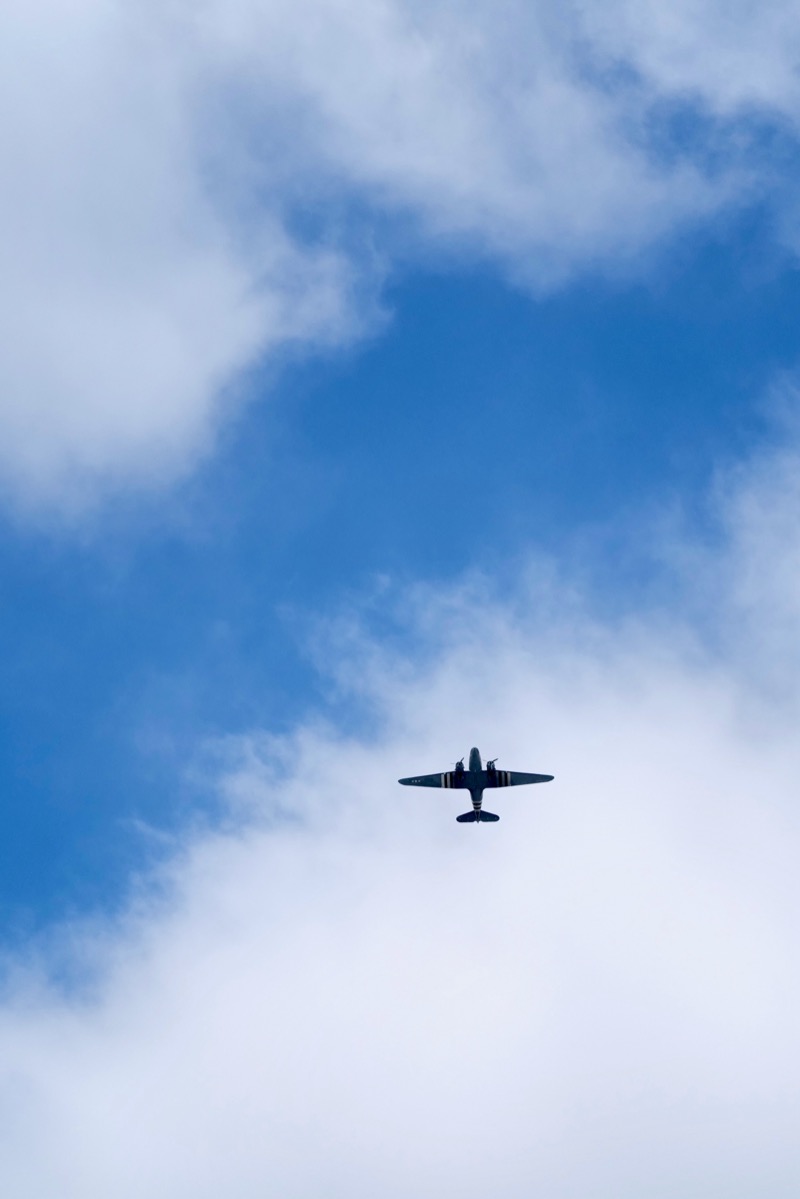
x: 476, y: 780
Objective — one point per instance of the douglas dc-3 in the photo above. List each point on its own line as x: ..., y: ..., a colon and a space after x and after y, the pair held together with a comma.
x: 475, y: 780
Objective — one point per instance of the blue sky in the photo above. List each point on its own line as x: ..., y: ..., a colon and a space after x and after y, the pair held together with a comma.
x: 477, y: 423
x: 380, y: 380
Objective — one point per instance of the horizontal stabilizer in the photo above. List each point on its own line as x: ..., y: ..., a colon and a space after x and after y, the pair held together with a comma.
x: 472, y: 817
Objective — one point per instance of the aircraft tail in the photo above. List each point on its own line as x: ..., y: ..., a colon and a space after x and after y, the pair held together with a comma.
x: 473, y: 817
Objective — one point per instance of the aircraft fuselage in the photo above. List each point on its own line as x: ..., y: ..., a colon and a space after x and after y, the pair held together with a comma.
x: 475, y: 782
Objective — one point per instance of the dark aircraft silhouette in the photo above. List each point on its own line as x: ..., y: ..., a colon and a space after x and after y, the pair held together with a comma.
x: 475, y: 780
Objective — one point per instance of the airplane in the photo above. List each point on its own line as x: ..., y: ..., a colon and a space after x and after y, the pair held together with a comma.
x: 476, y: 780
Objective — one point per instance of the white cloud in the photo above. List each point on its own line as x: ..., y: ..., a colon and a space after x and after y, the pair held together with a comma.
x: 350, y: 994
x: 478, y: 123
x: 128, y: 307
x: 163, y: 167
x: 732, y: 57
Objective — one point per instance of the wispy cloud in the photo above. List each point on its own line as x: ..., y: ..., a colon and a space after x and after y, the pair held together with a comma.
x: 597, y: 996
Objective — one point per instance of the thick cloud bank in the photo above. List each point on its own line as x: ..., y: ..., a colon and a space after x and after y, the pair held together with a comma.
x: 194, y: 188
x: 349, y: 994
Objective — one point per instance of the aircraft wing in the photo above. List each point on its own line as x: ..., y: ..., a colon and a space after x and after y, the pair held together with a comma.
x: 448, y: 779
x: 513, y: 778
